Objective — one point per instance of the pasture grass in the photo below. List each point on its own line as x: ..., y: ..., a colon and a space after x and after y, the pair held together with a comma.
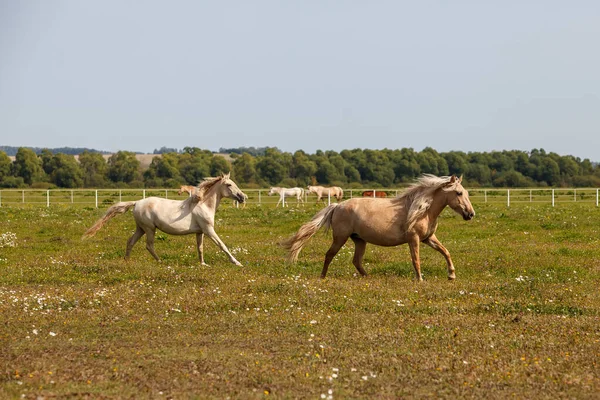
x: 521, y: 320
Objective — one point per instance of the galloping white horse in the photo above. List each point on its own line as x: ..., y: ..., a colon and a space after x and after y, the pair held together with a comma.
x: 196, y: 214
x: 321, y: 191
x: 288, y: 192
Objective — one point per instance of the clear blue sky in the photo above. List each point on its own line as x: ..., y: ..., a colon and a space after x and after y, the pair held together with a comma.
x: 306, y: 74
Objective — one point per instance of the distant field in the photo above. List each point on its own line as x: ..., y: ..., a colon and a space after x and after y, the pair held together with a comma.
x: 522, y: 320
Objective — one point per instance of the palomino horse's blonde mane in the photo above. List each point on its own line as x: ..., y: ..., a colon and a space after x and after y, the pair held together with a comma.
x: 419, y: 196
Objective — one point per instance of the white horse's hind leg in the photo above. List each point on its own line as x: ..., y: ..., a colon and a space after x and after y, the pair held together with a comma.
x: 150, y: 243
x: 210, y: 232
x: 200, y: 247
x: 435, y: 244
x: 139, y: 232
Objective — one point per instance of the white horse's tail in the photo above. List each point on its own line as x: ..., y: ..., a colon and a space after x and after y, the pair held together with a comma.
x: 118, y: 208
x: 295, y: 243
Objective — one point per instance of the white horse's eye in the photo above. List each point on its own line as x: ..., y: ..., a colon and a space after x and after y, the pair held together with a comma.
x: 459, y: 193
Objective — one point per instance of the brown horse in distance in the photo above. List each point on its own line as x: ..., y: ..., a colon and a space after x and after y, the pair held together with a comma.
x: 374, y: 193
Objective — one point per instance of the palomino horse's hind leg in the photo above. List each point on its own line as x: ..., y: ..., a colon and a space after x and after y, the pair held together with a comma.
x: 139, y: 232
x: 413, y: 243
x: 150, y: 243
x: 435, y: 244
x: 359, y: 251
x: 333, y: 250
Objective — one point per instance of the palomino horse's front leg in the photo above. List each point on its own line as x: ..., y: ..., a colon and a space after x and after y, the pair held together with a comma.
x: 413, y: 243
x: 435, y: 244
x: 200, y: 247
x: 210, y: 232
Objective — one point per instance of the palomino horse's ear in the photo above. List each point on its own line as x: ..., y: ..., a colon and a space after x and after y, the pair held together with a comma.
x: 226, y: 176
x: 460, y: 179
x: 453, y: 179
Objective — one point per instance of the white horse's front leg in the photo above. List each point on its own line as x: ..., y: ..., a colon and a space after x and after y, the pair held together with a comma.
x: 200, y: 247
x: 210, y: 232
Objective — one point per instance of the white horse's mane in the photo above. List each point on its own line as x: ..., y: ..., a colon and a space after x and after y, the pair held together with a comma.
x: 419, y: 195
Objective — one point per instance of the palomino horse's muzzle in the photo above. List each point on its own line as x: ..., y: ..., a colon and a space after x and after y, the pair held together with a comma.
x: 468, y: 215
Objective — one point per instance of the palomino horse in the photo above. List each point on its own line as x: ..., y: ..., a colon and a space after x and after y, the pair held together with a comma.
x: 409, y: 218
x: 188, y: 189
x: 296, y: 192
x: 195, y: 214
x: 321, y: 191
x: 374, y: 193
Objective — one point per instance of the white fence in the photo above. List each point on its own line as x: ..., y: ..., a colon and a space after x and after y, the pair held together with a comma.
x: 106, y: 197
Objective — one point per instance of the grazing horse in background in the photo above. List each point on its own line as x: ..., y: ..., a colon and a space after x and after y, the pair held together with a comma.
x: 321, y: 191
x: 288, y: 192
x: 374, y: 193
x: 188, y: 189
x: 409, y: 218
x: 195, y: 214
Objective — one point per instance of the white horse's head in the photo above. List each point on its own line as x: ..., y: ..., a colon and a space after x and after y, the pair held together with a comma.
x: 272, y: 191
x: 230, y: 190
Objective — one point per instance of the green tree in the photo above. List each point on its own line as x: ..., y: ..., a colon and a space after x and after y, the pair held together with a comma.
x: 28, y: 166
x: 194, y: 164
x: 163, y: 171
x: 274, y: 166
x: 303, y: 168
x: 124, y: 167
x: 219, y: 165
x: 94, y: 168
x: 5, y: 166
x: 66, y: 172
x: 244, y: 169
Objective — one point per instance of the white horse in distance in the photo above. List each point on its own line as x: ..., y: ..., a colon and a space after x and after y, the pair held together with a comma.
x: 288, y: 192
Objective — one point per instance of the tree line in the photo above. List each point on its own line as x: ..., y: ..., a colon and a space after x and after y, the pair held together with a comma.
x: 272, y: 167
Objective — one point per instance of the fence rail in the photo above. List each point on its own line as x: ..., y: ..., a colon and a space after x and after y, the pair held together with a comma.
x: 106, y: 197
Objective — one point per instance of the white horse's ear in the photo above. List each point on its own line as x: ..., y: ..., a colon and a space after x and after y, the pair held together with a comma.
x: 460, y: 179
x: 226, y: 176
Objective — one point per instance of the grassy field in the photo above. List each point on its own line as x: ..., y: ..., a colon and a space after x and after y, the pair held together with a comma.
x: 522, y: 320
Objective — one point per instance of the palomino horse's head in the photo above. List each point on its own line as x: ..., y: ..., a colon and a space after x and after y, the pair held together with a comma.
x: 230, y: 190
x: 458, y: 198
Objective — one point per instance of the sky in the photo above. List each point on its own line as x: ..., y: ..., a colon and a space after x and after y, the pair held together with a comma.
x: 308, y: 75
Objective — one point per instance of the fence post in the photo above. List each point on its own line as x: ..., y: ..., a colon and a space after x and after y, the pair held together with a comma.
x: 47, y: 198
x: 144, y: 194
x: 71, y: 197
x: 530, y: 196
x: 485, y: 196
x: 23, y: 196
x: 508, y: 197
x: 96, y: 198
x: 328, y: 197
x: 1, y: 198
x: 259, y: 199
x: 552, y: 197
x: 574, y: 194
x: 596, y: 197
x: 120, y: 196
x: 166, y: 193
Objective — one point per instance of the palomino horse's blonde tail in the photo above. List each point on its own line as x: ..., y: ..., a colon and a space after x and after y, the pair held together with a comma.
x: 118, y: 208
x: 321, y: 220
